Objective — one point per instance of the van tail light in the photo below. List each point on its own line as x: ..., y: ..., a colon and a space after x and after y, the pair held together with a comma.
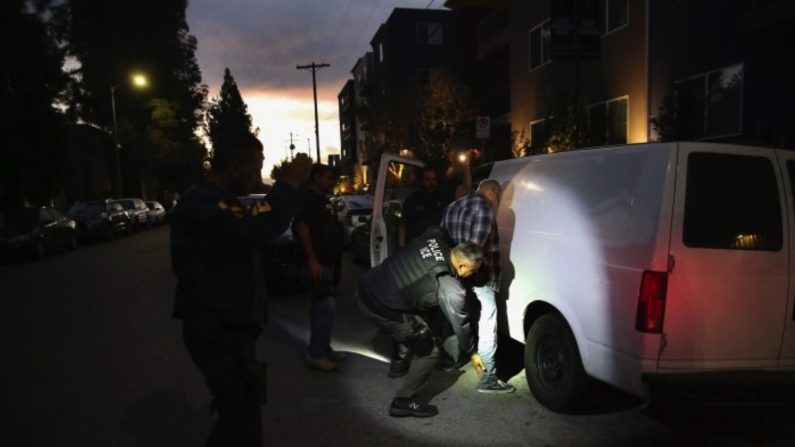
x: 651, y: 302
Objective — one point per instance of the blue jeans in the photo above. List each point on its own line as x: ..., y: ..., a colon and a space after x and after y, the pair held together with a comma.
x: 321, y: 312
x: 487, y: 329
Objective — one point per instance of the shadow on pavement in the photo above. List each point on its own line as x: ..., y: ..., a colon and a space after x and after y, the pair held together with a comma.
x: 164, y: 417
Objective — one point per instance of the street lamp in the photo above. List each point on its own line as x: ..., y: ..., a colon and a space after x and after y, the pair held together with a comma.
x: 139, y: 81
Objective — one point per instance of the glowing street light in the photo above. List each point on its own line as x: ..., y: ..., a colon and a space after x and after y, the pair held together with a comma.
x: 138, y: 81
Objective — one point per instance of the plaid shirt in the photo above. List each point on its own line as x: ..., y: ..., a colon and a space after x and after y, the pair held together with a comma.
x: 472, y: 219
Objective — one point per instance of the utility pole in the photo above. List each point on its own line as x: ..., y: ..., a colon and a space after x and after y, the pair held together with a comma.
x: 292, y: 147
x: 314, y: 67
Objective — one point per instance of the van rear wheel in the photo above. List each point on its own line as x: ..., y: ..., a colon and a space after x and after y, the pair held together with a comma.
x: 553, y: 366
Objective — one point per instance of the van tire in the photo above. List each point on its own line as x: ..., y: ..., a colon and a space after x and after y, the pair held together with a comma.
x: 553, y: 366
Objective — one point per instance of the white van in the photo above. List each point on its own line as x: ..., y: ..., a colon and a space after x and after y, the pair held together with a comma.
x: 631, y: 263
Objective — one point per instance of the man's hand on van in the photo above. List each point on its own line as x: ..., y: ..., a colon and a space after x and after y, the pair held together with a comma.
x: 477, y: 364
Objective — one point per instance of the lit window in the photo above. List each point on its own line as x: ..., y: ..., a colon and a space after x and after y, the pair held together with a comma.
x: 539, y: 133
x: 607, y: 122
x: 616, y: 15
x: 540, y: 52
x: 709, y: 105
x: 429, y: 33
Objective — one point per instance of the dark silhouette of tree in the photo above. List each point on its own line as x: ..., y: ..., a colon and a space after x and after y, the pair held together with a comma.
x: 444, y: 105
x: 228, y: 113
x: 111, y: 40
x: 31, y: 82
x: 278, y: 169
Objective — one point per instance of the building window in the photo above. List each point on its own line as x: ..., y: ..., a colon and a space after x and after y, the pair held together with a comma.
x: 615, y: 15
x: 539, y: 134
x: 429, y: 33
x: 709, y: 105
x: 732, y: 202
x: 380, y: 52
x: 607, y: 122
x: 540, y: 52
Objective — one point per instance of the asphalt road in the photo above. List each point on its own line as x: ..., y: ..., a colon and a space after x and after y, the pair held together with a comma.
x: 91, y: 357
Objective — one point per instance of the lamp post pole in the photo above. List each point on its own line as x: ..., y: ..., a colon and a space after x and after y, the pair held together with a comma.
x: 117, y: 188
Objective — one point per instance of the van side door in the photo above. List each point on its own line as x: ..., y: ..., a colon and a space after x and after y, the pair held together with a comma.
x: 787, y: 163
x: 727, y: 290
x: 396, y: 179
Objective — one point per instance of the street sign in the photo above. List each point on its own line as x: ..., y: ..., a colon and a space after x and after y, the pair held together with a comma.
x: 482, y: 126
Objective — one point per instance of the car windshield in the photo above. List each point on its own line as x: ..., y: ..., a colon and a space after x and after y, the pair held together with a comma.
x: 14, y: 220
x: 127, y: 204
x: 87, y: 208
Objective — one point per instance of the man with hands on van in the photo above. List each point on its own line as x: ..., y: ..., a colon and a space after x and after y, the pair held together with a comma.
x: 473, y: 218
x: 398, y: 294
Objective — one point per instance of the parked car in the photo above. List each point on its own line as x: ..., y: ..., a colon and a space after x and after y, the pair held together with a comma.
x: 352, y: 211
x: 34, y: 232
x: 137, y: 212
x: 157, y: 214
x: 280, y: 259
x: 100, y: 219
x: 645, y: 264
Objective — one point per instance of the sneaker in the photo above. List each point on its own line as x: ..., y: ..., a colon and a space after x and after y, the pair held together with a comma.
x: 336, y: 356
x: 402, y: 407
x: 398, y: 368
x: 495, y: 386
x: 321, y: 363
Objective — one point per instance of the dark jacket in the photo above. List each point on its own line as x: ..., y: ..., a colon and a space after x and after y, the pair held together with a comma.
x: 415, y: 279
x: 215, y: 256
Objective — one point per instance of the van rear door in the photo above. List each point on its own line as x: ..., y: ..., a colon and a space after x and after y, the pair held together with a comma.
x: 728, y: 287
x: 787, y: 163
x: 396, y: 179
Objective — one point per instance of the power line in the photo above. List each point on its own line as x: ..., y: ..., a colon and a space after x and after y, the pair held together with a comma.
x: 339, y: 28
x: 429, y: 4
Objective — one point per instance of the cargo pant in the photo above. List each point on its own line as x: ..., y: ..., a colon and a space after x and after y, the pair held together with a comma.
x: 226, y: 358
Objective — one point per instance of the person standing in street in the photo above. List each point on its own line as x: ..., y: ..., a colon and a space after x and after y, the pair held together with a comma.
x: 321, y: 237
x: 472, y: 218
x: 399, y: 293
x: 221, y: 298
x: 422, y: 208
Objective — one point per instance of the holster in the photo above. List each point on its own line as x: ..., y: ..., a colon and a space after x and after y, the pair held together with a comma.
x: 421, y: 341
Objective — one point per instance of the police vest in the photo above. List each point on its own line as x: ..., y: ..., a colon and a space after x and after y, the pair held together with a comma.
x: 415, y: 268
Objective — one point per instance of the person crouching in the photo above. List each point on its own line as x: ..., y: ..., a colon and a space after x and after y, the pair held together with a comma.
x: 396, y: 294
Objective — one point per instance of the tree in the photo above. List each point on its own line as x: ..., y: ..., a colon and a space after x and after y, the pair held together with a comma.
x: 111, y: 40
x: 681, y: 114
x: 444, y: 105
x: 278, y: 169
x: 31, y: 155
x: 228, y: 113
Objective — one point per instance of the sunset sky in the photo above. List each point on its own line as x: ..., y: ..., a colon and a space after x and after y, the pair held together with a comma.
x: 262, y: 41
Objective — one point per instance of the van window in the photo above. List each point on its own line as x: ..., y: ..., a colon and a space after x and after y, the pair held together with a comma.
x: 732, y: 202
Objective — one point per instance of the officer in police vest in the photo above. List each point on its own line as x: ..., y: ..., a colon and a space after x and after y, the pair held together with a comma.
x: 399, y: 292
